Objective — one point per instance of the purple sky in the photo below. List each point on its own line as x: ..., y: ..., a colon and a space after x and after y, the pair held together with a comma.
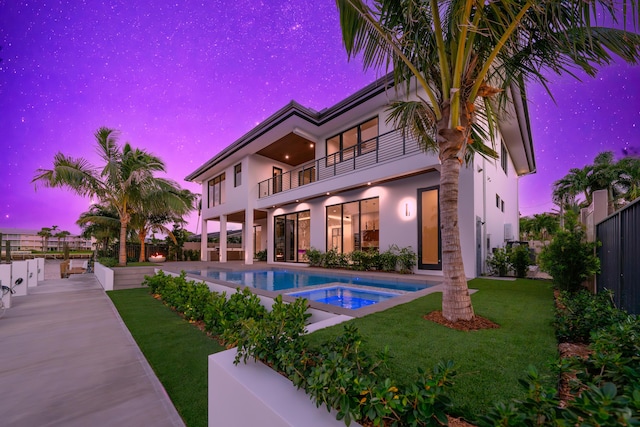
x: 183, y: 79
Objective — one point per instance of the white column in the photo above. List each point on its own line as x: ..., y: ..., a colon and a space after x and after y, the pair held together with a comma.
x: 247, y: 238
x: 223, y: 238
x: 204, y: 253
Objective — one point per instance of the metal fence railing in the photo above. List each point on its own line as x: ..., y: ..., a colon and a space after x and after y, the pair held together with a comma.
x: 619, y: 254
x: 382, y: 148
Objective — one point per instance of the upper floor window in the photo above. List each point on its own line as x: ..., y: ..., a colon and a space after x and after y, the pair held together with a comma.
x: 503, y: 157
x: 237, y: 175
x: 216, y: 191
x: 352, y: 142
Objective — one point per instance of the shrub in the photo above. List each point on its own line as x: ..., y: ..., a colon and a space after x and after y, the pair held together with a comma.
x: 388, y: 260
x: 315, y: 257
x: 569, y: 259
x: 520, y: 260
x: 498, y: 262
x: 407, y: 259
x: 261, y: 255
x: 582, y: 313
x: 108, y: 262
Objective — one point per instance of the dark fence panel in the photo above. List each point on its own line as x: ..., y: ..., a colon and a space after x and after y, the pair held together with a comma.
x: 619, y: 255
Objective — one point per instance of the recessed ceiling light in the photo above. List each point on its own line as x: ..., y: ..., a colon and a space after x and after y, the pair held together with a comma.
x: 311, y: 145
x: 286, y: 157
x: 368, y: 183
x: 328, y: 193
x: 297, y: 200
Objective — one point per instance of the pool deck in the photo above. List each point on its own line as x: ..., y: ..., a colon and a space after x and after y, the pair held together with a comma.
x: 433, y: 283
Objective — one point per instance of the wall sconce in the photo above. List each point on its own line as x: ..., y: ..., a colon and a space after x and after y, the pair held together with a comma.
x: 406, y: 210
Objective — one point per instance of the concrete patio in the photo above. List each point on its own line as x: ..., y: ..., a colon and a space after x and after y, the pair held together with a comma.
x: 67, y: 359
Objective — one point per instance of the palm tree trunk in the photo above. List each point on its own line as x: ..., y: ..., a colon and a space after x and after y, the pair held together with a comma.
x: 141, y: 237
x: 456, y: 302
x: 122, y: 256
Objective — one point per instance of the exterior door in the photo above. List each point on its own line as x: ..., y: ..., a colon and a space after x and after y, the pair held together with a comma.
x: 277, y: 180
x: 429, y: 245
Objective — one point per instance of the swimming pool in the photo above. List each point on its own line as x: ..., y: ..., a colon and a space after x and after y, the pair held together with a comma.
x: 345, y: 297
x: 279, y: 280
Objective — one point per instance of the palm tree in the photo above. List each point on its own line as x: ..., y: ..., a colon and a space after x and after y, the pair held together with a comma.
x: 629, y: 177
x: 167, y: 205
x: 45, y: 233
x: 100, y: 222
x: 464, y: 56
x: 122, y: 183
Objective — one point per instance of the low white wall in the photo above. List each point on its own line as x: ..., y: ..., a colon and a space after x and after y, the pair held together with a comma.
x: 253, y: 394
x: 5, y: 280
x: 19, y: 270
x: 40, y: 262
x: 104, y: 276
x: 32, y: 273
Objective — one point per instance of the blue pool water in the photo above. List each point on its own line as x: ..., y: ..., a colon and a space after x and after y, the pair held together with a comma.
x: 279, y: 280
x: 345, y: 297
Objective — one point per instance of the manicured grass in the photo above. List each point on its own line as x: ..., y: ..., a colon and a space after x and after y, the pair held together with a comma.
x: 489, y: 362
x: 176, y: 350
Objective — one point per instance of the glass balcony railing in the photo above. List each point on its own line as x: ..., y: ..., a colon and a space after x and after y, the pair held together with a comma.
x: 382, y: 148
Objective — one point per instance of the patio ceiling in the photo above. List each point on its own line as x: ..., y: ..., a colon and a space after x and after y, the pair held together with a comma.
x: 291, y: 149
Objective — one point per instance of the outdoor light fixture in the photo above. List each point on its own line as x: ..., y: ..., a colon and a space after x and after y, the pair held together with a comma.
x: 406, y: 210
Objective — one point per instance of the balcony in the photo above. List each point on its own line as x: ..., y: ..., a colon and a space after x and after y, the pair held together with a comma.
x: 383, y: 148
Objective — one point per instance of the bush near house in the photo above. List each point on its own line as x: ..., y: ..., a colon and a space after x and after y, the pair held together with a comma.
x: 504, y: 260
x: 394, y: 259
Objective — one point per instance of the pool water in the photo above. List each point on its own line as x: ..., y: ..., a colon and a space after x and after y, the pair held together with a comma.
x: 345, y: 297
x: 279, y: 280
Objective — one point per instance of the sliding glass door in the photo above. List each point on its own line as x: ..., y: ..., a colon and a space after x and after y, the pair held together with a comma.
x: 291, y: 237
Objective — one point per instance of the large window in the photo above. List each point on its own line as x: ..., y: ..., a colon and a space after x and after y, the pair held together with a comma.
x: 353, y: 226
x: 429, y: 247
x: 358, y: 140
x: 292, y: 237
x: 216, y: 191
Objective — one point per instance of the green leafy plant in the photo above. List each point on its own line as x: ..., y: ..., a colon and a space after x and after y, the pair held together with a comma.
x: 498, y: 262
x: 581, y: 313
x: 261, y: 255
x: 569, y: 258
x: 407, y: 259
x: 520, y: 260
x: 315, y: 257
x: 108, y: 262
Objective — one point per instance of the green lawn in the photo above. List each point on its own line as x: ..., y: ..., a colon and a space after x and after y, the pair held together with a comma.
x: 489, y: 362
x: 176, y: 350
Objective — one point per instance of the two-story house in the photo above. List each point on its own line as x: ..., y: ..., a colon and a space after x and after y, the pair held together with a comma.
x: 345, y: 179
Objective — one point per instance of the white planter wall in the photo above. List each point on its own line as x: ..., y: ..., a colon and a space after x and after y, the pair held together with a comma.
x: 5, y: 280
x: 40, y: 262
x: 104, y: 276
x: 32, y: 273
x: 253, y: 394
x: 19, y: 270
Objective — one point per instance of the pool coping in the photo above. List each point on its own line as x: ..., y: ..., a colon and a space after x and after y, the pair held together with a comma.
x: 177, y: 267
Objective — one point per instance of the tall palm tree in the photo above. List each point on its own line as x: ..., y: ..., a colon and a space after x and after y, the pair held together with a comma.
x: 462, y: 56
x: 124, y: 180
x: 45, y: 233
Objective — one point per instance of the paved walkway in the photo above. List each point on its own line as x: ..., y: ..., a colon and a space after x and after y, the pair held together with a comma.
x: 66, y: 359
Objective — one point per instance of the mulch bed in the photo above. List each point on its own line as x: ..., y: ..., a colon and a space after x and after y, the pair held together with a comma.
x: 476, y: 324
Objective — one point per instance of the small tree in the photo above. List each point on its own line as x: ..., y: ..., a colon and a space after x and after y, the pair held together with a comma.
x: 570, y: 259
x: 520, y: 260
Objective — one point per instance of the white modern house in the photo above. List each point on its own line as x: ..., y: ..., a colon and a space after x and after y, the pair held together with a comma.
x: 344, y: 179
